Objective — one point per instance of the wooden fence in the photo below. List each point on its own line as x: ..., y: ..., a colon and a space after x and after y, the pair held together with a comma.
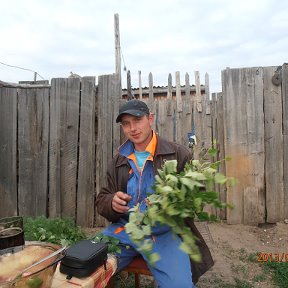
x: 54, y: 146
x: 56, y: 140
x: 255, y: 105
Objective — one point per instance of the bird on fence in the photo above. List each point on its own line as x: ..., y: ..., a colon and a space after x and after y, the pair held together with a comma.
x: 74, y: 75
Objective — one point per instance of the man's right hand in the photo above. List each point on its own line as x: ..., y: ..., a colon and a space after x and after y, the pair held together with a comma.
x: 119, y: 202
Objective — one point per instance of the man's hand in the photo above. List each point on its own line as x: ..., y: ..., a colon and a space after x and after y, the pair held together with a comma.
x: 119, y: 202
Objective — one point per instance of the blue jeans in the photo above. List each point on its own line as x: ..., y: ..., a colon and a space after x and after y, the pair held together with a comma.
x: 173, y: 270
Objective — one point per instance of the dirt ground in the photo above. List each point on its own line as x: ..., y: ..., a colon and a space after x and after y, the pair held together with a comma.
x: 233, y: 248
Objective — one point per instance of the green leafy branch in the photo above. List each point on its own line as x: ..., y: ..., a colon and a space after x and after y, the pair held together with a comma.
x: 178, y: 197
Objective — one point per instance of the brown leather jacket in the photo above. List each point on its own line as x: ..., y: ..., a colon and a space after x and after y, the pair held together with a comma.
x: 117, y: 178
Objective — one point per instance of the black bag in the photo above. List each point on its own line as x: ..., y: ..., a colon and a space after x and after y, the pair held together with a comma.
x: 83, y: 258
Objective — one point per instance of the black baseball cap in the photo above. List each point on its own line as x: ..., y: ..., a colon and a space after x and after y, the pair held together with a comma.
x: 133, y: 107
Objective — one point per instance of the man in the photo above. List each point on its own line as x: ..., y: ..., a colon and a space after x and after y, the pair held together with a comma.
x: 130, y: 178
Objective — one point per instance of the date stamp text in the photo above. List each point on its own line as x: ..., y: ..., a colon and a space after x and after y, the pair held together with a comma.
x: 272, y: 257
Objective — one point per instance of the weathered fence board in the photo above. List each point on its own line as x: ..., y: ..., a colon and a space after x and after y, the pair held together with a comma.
x: 115, y: 101
x: 179, y: 111
x: 235, y: 140
x: 273, y: 148
x: 285, y: 135
x: 165, y: 126
x: 217, y: 137
x: 259, y: 151
x: 64, y: 122
x: 221, y: 149
x: 198, y: 117
x: 107, y: 105
x: 8, y: 151
x: 86, y: 171
x: 55, y: 148
x: 33, y: 138
x: 188, y: 112
x: 253, y: 78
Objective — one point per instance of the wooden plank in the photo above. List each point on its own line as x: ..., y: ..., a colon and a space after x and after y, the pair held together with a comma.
x: 33, y: 135
x: 165, y: 122
x: 273, y: 148
x: 150, y: 102
x: 251, y: 205
x: 140, y: 85
x: 256, y: 141
x: 207, y: 122
x: 207, y: 129
x: 69, y: 132
x: 221, y: 149
x: 86, y: 178
x: 197, y: 117
x: 234, y: 128
x: 187, y: 111
x: 214, y: 136
x: 179, y: 111
x: 207, y: 87
x: 99, y: 172
x: 169, y: 95
x: 244, y: 140
x: 57, y: 97
x: 285, y: 135
x: 68, y: 139
x: 253, y: 89
x: 8, y: 152
x: 179, y: 102
x: 115, y: 101
x: 104, y: 150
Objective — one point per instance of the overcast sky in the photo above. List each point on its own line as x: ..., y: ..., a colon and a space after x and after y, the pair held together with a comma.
x: 54, y: 37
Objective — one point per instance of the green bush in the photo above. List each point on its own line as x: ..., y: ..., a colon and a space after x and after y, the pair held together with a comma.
x: 53, y: 230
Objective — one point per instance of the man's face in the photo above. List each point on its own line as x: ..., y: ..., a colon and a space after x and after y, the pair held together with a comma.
x: 138, y: 129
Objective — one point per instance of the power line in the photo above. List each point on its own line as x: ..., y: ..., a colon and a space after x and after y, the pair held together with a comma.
x: 22, y: 69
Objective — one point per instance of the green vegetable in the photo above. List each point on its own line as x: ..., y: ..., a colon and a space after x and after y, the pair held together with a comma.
x: 34, y: 282
x: 178, y: 197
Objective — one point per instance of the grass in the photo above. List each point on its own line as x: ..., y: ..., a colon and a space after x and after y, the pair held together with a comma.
x: 279, y: 272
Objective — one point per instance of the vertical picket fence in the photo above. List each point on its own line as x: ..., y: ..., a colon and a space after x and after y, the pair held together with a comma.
x: 255, y: 136
x: 56, y: 140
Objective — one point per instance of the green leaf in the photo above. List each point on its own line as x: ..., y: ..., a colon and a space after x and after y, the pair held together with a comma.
x: 220, y: 178
x: 196, y: 175
x: 228, y: 158
x: 196, y: 163
x: 154, y: 257
x: 158, y: 179
x: 170, y: 167
x: 166, y: 189
x: 203, y: 216
x: 212, y: 152
x: 190, y: 183
x: 184, y: 247
x: 172, y: 180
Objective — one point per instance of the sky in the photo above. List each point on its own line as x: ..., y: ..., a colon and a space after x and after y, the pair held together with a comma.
x: 56, y: 37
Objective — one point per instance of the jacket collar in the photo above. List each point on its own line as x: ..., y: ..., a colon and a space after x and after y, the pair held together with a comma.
x: 163, y: 147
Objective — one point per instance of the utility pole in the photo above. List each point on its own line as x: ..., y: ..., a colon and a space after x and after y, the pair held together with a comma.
x: 117, y: 46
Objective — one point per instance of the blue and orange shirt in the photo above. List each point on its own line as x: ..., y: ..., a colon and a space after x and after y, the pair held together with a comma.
x: 140, y: 185
x: 141, y: 179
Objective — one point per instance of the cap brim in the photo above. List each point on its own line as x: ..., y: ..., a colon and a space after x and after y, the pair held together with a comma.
x: 136, y: 113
